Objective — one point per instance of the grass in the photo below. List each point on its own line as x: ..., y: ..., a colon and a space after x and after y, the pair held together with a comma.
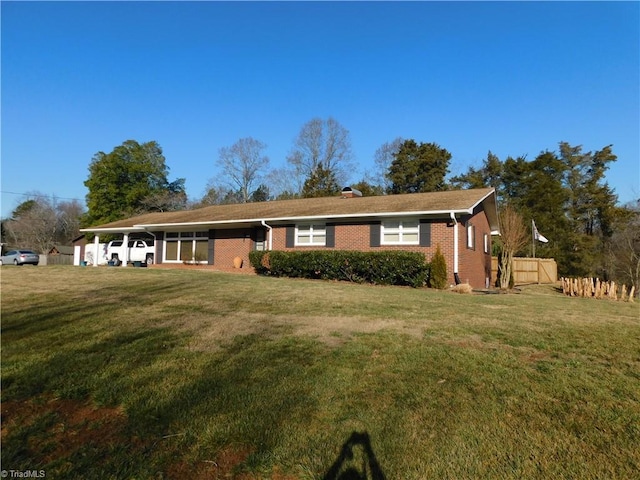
x: 153, y: 373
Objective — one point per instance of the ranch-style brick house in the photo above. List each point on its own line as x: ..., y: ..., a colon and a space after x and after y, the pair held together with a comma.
x: 459, y: 221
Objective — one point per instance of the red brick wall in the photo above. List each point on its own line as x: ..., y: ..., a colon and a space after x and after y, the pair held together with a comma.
x: 280, y: 238
x: 229, y: 244
x: 473, y: 265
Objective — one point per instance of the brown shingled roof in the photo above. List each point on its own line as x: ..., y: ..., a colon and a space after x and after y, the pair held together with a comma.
x: 326, y: 207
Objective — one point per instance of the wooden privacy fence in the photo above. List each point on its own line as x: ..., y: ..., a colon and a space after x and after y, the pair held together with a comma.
x: 529, y: 270
x: 56, y: 259
x: 595, y: 288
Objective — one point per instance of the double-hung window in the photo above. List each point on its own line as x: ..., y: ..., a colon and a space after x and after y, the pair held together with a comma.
x: 311, y: 234
x: 400, y: 232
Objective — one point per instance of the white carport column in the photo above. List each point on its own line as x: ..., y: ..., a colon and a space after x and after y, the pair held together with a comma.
x: 96, y: 250
x: 125, y: 249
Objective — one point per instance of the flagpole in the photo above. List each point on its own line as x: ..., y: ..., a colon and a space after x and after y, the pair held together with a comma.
x: 533, y: 237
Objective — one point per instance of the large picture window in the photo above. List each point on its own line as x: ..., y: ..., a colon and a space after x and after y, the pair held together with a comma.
x: 400, y: 232
x: 311, y: 235
x: 186, y: 247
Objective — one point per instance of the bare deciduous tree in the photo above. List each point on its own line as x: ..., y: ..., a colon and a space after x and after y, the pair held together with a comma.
x: 68, y: 216
x: 322, y: 143
x: 216, y: 194
x: 514, y: 237
x: 383, y: 157
x: 244, y: 163
x: 624, y: 247
x: 284, y: 183
x: 40, y: 223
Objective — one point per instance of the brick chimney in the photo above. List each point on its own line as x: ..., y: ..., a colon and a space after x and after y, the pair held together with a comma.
x: 348, y: 192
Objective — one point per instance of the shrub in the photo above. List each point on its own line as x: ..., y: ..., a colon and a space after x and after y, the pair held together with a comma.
x: 259, y: 260
x: 438, y: 272
x: 380, y: 268
x: 462, y: 288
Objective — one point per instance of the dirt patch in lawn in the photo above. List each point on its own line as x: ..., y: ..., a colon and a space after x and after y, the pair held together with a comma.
x: 337, y: 330
x: 210, y: 334
x: 225, y: 465
x: 228, y: 463
x: 69, y: 425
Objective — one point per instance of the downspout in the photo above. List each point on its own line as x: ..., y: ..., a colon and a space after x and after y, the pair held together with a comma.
x: 269, y: 235
x: 456, y: 277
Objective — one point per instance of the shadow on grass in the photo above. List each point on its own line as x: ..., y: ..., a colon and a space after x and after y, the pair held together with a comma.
x: 54, y: 400
x: 142, y: 403
x: 360, y: 464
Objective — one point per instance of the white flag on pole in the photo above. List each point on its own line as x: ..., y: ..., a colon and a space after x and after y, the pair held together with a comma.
x: 537, y: 235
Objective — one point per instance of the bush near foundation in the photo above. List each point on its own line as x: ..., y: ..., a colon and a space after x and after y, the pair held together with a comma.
x: 438, y: 273
x: 379, y: 268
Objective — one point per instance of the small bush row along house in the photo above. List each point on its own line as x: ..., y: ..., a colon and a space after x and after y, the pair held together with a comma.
x: 460, y: 222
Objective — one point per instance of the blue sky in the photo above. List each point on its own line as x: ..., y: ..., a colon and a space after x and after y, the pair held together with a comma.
x: 514, y: 78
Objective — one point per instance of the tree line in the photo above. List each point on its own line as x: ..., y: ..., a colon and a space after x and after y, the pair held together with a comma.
x: 564, y: 191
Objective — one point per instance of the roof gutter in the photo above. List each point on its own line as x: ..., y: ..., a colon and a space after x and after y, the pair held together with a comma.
x: 131, y: 229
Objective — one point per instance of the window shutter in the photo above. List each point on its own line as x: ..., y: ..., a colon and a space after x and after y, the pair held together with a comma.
x: 425, y: 233
x: 210, y: 246
x: 291, y: 236
x: 374, y: 234
x: 330, y: 232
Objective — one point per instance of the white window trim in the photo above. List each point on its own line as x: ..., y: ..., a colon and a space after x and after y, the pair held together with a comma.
x: 471, y: 237
x: 401, y: 231
x: 321, y: 233
x: 180, y: 240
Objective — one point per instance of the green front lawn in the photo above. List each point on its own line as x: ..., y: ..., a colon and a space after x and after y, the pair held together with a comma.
x: 153, y: 373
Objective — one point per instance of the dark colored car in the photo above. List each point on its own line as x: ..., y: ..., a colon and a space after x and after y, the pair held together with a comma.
x: 20, y: 257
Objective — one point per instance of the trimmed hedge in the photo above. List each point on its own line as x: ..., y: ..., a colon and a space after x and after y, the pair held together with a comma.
x: 380, y: 268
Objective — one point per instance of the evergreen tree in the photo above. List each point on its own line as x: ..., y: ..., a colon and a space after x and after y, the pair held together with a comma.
x: 367, y: 189
x: 489, y: 175
x: 438, y: 270
x: 591, y: 208
x: 321, y: 183
x: 567, y: 196
x: 121, y: 181
x: 260, y: 194
x: 418, y: 168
